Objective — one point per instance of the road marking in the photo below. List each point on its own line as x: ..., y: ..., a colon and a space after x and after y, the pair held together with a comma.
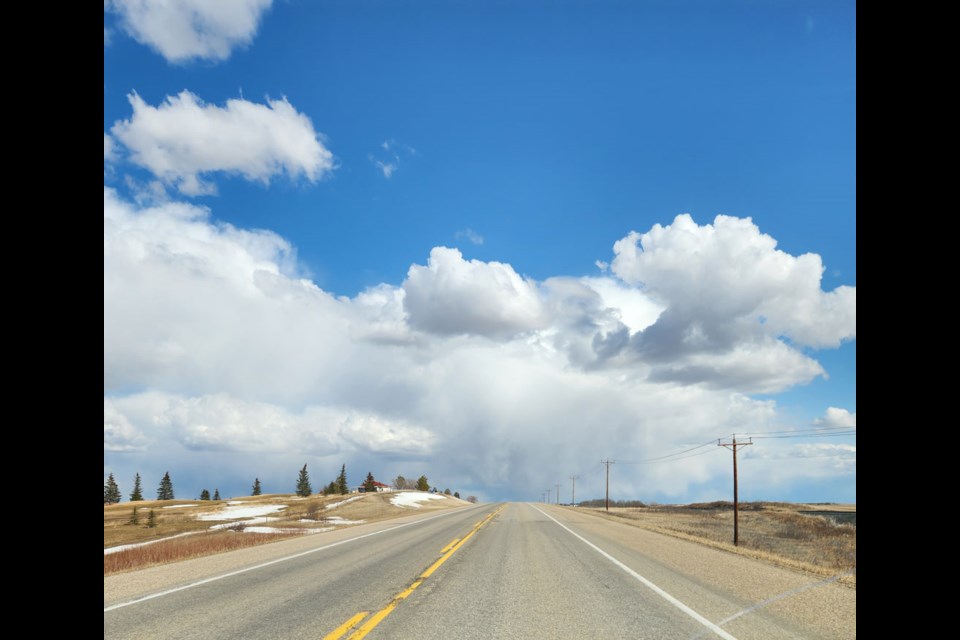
x: 191, y: 585
x: 453, y: 542
x: 660, y: 592
x: 337, y: 633
x: 447, y: 551
x: 786, y: 594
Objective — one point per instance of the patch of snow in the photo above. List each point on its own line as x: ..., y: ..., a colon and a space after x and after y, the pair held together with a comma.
x: 339, y: 520
x: 179, y: 506
x: 235, y: 512
x: 337, y: 504
x: 124, y: 547
x: 276, y: 530
x: 412, y: 499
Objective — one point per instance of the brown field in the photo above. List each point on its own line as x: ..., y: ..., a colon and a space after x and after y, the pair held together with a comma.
x: 776, y: 532
x: 196, y: 538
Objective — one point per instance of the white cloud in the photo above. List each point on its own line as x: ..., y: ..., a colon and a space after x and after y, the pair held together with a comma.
x: 455, y: 296
x: 109, y: 148
x: 183, y: 30
x: 472, y: 236
x: 183, y: 139
x: 387, y: 168
x: 245, y: 368
x: 837, y: 418
x: 729, y: 293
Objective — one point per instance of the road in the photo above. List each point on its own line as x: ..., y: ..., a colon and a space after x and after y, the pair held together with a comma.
x: 493, y: 571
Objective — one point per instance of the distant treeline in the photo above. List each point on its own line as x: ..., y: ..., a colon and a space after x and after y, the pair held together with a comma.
x: 613, y: 503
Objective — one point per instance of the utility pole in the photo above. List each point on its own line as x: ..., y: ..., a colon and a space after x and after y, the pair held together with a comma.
x: 558, y: 493
x: 733, y: 447
x: 573, y: 491
x: 608, y: 462
x: 548, y: 495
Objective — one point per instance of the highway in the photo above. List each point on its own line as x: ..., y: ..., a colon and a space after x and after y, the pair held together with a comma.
x: 511, y: 570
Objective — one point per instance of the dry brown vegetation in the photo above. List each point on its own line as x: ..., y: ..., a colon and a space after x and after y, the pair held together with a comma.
x: 195, y: 537
x: 776, y: 532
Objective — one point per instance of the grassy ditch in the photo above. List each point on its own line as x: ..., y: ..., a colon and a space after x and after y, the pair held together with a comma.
x: 771, y: 531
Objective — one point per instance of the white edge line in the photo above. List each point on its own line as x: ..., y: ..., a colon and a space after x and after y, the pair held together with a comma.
x: 190, y: 585
x: 660, y: 592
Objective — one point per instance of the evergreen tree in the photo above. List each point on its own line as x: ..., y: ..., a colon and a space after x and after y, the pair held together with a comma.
x: 456, y: 494
x: 369, y: 485
x: 216, y: 494
x: 152, y: 520
x: 342, y: 487
x: 256, y: 487
x: 204, y: 495
x: 111, y: 492
x: 303, y: 483
x: 137, y: 494
x: 331, y: 489
x: 134, y: 518
x: 165, y: 490
x: 423, y: 484
x: 446, y: 492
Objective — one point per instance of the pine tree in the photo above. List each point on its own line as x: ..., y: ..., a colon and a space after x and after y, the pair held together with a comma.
x: 137, y: 494
x: 111, y: 492
x: 204, y: 495
x: 423, y: 484
x: 134, y: 518
x: 152, y: 520
x: 303, y: 483
x: 256, y: 487
x: 342, y: 481
x: 165, y: 490
x: 216, y: 494
x: 331, y: 489
x: 446, y: 492
x: 369, y: 485
x: 456, y: 494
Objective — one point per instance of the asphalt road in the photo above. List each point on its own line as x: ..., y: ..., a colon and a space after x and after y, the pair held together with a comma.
x: 492, y: 571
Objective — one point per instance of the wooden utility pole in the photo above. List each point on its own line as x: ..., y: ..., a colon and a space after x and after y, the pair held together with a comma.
x: 608, y: 462
x: 573, y: 491
x: 548, y: 495
x: 736, y: 509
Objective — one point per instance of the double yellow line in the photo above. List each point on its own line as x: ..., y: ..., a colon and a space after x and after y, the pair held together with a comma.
x: 378, y: 617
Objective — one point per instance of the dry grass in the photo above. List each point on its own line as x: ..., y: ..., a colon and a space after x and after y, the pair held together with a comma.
x: 191, y: 546
x: 179, y: 518
x: 774, y: 532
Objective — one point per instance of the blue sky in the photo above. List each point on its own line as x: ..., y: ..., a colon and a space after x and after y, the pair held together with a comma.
x: 400, y: 236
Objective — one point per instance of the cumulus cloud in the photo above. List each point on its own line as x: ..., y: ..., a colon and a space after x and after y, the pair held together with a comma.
x: 729, y: 295
x: 455, y: 296
x: 485, y: 381
x: 183, y: 30
x: 836, y: 418
x: 183, y: 139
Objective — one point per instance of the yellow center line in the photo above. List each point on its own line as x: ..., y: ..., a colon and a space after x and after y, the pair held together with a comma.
x: 447, y: 548
x: 378, y: 617
x: 337, y: 633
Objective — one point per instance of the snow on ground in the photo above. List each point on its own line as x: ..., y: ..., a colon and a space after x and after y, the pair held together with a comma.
x: 275, y: 530
x: 239, y: 511
x: 337, y: 504
x: 339, y: 520
x: 412, y: 498
x: 179, y: 506
x: 124, y: 547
